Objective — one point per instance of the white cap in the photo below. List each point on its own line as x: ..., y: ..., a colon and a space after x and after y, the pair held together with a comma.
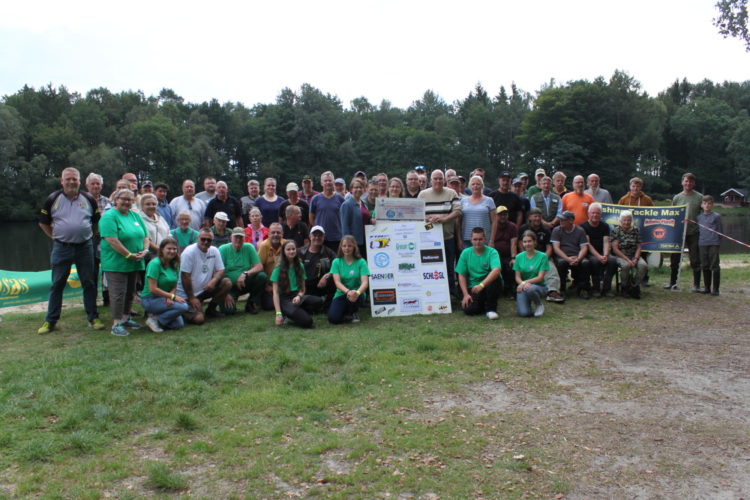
x: 221, y: 216
x: 317, y: 228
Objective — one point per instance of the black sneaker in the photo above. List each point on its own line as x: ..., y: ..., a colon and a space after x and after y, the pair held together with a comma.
x: 212, y: 312
x: 250, y: 307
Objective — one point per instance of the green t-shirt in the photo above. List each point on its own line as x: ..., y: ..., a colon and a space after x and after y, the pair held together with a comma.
x: 293, y: 286
x: 236, y: 263
x: 693, y: 202
x: 349, y: 274
x: 166, y: 279
x: 530, y: 267
x: 184, y: 238
x: 477, y: 267
x: 131, y: 231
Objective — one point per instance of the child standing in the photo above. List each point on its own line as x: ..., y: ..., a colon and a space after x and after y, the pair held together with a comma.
x: 708, y: 245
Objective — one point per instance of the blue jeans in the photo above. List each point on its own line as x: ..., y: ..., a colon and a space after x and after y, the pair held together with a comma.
x: 340, y: 307
x: 533, y: 295
x: 167, y: 316
x: 63, y: 256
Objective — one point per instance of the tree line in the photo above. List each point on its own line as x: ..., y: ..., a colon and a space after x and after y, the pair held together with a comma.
x: 611, y: 127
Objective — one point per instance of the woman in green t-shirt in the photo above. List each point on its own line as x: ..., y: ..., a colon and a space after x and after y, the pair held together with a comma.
x: 530, y: 267
x: 350, y: 274
x: 289, y: 299
x: 163, y: 307
x: 124, y: 245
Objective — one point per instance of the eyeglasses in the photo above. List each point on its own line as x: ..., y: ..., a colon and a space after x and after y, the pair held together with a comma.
x: 207, y: 240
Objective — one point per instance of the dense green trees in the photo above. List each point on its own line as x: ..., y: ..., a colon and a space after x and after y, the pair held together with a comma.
x: 608, y: 126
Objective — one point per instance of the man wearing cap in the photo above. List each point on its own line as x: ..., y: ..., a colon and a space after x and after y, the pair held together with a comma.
x: 524, y: 182
x: 292, y: 198
x: 209, y: 190
x: 412, y: 184
x: 548, y: 202
x: 519, y: 189
x: 220, y: 231
x: 223, y: 202
x: 147, y: 187
x: 269, y: 252
x: 188, y: 202
x: 324, y: 211
x: 506, y: 244
x: 571, y: 245
x: 317, y: 259
x: 307, y: 192
x: 507, y: 198
x: 339, y: 185
x: 538, y: 175
x: 543, y: 244
x: 478, y: 271
x: 577, y: 201
x: 443, y: 206
x: 595, y: 190
x: 243, y: 268
x: 248, y: 202
x: 69, y: 217
x: 455, y: 185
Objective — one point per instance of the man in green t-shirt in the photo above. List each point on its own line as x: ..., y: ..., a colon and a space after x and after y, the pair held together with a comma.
x: 693, y: 199
x: 244, y: 269
x: 478, y: 271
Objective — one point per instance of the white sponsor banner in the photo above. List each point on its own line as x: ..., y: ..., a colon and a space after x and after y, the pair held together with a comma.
x: 392, y: 209
x: 407, y: 266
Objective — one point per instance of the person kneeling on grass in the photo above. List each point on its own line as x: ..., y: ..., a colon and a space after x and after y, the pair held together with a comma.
x: 530, y: 267
x: 164, y: 308
x: 289, y: 298
x: 479, y: 268
x: 351, y: 276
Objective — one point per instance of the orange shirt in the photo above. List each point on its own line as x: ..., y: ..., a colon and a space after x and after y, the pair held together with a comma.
x: 578, y: 204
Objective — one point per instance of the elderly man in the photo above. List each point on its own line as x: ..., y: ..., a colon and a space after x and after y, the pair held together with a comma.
x: 443, y: 206
x: 190, y: 203
x: 224, y: 202
x: 549, y: 203
x: 412, y: 184
x: 317, y: 259
x: 209, y: 190
x: 69, y: 217
x: 595, y: 190
x: 269, y: 252
x: 478, y: 271
x: 578, y: 201
x: 543, y: 244
x: 202, y: 278
x: 603, y: 263
x: 308, y: 193
x: 162, y: 205
x: 507, y: 198
x: 692, y: 199
x: 422, y: 182
x: 132, y: 181
x: 248, y: 202
x: 570, y: 245
x: 292, y: 198
x: 538, y: 175
x: 243, y: 269
x: 222, y: 234
x: 339, y: 185
x: 94, y: 184
x: 324, y: 211
x: 294, y: 228
x: 558, y: 183
x: 506, y: 244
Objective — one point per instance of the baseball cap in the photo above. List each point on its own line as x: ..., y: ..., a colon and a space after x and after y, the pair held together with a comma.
x: 517, y: 180
x: 318, y: 228
x: 568, y: 215
x: 540, y: 171
x: 292, y: 186
x: 360, y: 173
x: 505, y: 174
x: 523, y: 175
x: 339, y: 181
x: 501, y: 209
x: 238, y: 231
x: 221, y: 216
x: 147, y: 183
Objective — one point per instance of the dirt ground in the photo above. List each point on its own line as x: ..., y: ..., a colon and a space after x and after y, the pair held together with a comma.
x: 663, y: 413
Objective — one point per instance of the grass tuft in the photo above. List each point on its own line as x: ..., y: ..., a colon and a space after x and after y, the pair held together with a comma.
x: 186, y: 422
x: 162, y: 479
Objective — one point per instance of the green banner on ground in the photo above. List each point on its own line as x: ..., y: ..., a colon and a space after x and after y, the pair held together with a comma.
x: 17, y: 288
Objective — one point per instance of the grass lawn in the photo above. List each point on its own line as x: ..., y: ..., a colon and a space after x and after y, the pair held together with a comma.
x: 419, y: 407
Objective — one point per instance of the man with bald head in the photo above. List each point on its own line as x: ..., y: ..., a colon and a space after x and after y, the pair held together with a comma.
x: 444, y: 206
x: 190, y: 203
x: 595, y: 190
x: 577, y: 201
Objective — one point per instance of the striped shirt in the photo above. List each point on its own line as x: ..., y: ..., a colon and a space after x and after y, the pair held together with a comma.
x: 443, y: 203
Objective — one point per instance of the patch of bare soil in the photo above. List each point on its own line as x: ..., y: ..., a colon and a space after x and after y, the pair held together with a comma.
x: 664, y: 413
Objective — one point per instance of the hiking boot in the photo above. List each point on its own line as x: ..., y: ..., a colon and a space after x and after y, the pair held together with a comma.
x: 96, y: 324
x: 46, y: 328
x: 119, y: 331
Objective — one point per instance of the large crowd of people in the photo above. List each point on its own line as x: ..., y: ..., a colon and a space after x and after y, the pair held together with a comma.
x: 303, y: 252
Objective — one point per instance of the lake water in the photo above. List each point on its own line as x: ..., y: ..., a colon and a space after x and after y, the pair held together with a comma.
x: 27, y: 248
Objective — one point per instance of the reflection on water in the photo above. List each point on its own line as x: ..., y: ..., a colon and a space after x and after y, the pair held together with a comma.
x: 26, y: 247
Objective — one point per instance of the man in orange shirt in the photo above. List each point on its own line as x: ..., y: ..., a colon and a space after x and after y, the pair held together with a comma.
x: 577, y: 201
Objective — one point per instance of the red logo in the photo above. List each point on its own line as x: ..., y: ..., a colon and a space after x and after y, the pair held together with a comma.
x: 659, y: 233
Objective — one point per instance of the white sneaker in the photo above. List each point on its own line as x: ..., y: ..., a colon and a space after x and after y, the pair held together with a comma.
x: 153, y: 324
x: 492, y: 315
x: 355, y: 318
x: 539, y: 310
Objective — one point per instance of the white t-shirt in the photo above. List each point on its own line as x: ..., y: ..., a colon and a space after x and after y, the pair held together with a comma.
x: 201, y: 267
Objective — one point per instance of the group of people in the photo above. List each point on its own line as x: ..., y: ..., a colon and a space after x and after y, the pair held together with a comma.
x: 305, y: 253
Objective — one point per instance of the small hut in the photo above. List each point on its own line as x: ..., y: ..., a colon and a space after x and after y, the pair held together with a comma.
x: 734, y: 197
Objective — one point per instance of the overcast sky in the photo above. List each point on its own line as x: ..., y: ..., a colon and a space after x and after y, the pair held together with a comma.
x: 388, y: 49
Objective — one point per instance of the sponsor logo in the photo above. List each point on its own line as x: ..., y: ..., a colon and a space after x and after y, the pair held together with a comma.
x: 407, y: 267
x: 434, y: 275
x: 431, y: 256
x: 442, y: 307
x: 385, y: 296
x: 380, y: 243
x: 411, y: 305
x: 381, y: 276
x: 409, y: 284
x: 379, y: 311
x: 406, y: 246
x: 659, y: 233
x: 381, y: 259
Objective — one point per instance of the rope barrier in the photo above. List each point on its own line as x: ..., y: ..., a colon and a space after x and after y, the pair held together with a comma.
x: 720, y: 234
